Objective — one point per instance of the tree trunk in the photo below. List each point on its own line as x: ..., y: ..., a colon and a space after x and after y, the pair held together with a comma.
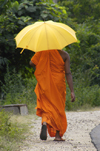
x: 55, y: 1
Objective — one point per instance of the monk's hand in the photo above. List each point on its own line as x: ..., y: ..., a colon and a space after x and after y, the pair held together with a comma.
x: 72, y: 97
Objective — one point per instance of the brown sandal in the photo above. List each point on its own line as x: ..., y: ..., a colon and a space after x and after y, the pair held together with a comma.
x: 59, y: 140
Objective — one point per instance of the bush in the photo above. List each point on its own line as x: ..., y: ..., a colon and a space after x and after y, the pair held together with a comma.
x: 17, y: 90
x: 12, y: 133
x: 85, y: 97
x: 7, y: 128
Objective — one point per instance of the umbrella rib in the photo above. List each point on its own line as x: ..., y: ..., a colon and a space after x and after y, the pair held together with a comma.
x: 34, y: 33
x: 59, y: 33
x: 62, y: 36
x: 58, y: 25
x: 46, y: 36
x: 26, y: 33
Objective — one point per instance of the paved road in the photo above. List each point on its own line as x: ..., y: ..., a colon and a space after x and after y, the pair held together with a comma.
x: 95, y: 136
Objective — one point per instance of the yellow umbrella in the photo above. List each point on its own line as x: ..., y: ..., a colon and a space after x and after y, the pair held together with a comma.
x: 46, y: 35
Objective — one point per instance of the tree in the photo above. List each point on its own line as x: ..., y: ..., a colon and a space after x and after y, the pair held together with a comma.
x: 16, y: 17
x: 80, y: 10
x: 55, y: 1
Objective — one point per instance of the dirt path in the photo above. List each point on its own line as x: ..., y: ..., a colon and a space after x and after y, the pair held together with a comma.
x: 77, y: 135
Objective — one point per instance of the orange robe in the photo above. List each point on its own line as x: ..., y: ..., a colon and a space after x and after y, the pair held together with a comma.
x: 51, y: 90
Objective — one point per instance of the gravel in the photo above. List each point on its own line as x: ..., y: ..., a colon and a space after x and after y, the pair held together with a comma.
x: 77, y: 135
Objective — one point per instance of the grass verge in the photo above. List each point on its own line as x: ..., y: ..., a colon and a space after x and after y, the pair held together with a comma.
x: 14, y: 129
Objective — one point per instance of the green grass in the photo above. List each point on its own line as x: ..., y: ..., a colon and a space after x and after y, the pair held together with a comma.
x: 13, y: 130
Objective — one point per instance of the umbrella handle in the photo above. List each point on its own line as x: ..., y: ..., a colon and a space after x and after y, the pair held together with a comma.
x: 22, y: 51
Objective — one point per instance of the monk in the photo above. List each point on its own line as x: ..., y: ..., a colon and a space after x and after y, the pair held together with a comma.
x: 52, y: 66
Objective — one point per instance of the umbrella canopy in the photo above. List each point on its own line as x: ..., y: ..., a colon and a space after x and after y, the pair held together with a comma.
x: 46, y: 35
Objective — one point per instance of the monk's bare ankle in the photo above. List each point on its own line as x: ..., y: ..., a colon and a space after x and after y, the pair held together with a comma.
x: 57, y: 135
x: 44, y: 123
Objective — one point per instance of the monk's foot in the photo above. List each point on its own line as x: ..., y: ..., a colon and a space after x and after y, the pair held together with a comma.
x: 59, y: 139
x: 43, y: 134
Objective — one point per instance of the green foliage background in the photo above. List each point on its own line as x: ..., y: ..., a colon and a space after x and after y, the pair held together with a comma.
x: 17, y: 79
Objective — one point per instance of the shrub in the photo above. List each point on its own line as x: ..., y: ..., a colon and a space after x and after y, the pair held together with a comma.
x: 12, y: 132
x: 85, y: 97
x: 6, y: 127
x: 18, y: 90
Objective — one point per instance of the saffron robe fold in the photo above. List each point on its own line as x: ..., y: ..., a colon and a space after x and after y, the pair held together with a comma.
x: 51, y: 90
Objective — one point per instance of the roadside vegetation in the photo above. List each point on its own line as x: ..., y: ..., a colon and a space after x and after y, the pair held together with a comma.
x: 14, y: 129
